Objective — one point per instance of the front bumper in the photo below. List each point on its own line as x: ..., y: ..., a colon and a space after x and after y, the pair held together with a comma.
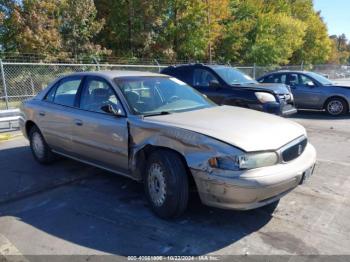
x: 252, y: 188
x: 281, y: 109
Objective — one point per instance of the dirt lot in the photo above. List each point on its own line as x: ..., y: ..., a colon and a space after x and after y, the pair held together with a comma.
x: 71, y: 208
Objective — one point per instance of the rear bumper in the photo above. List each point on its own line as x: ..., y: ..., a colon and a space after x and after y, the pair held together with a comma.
x: 253, y: 188
x: 22, y: 127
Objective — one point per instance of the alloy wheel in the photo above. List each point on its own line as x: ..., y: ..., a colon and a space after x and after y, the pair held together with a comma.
x: 335, y: 107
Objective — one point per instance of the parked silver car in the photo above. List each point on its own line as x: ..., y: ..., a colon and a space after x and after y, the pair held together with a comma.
x: 313, y: 91
x: 157, y: 130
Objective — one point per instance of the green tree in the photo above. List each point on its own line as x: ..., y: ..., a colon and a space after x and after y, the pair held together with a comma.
x: 129, y: 25
x: 78, y: 26
x: 317, y: 45
x: 53, y: 28
x: 169, y: 28
x: 253, y: 33
x: 340, y: 53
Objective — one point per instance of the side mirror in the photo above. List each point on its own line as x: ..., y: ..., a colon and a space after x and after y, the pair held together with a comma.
x: 111, y: 109
x: 214, y: 83
x: 310, y: 84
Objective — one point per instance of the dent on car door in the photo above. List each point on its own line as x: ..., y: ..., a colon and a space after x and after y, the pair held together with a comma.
x: 98, y: 136
x: 306, y: 91
x: 56, y: 114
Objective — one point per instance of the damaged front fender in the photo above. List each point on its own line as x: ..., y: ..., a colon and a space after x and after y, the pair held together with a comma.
x: 195, y: 148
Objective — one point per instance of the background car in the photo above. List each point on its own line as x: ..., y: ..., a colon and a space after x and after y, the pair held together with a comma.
x: 228, y: 86
x: 158, y: 130
x: 313, y: 91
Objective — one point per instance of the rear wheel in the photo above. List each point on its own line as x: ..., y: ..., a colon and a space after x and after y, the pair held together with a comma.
x: 336, y: 106
x: 166, y: 184
x: 40, y: 149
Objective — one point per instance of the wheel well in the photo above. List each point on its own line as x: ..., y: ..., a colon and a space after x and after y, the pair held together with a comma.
x: 29, y: 125
x: 338, y: 97
x: 144, y: 153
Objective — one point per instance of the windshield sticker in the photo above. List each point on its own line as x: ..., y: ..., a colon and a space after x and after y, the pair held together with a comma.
x: 177, y: 81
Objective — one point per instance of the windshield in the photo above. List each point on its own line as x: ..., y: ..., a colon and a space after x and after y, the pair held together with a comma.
x: 324, y: 81
x: 233, y: 76
x: 160, y: 95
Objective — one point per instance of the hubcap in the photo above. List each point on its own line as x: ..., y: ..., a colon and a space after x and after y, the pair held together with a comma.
x: 156, y: 184
x: 335, y: 107
x: 38, y: 145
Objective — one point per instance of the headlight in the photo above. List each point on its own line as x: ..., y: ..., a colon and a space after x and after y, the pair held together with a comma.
x: 265, y: 97
x: 245, y: 161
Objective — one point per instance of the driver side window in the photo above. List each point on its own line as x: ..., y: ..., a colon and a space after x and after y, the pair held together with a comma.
x: 96, y: 94
x: 202, y: 77
x: 304, y: 80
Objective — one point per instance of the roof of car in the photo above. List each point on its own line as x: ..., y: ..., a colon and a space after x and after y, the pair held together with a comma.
x: 285, y: 71
x: 196, y: 65
x: 292, y: 71
x: 117, y: 73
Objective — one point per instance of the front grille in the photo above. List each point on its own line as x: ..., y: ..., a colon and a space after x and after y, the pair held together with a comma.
x: 294, y: 151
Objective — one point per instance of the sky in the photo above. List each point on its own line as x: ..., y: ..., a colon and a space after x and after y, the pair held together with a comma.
x: 336, y: 14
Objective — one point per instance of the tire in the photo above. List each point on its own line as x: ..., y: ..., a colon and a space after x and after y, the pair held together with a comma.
x: 166, y: 184
x: 40, y: 149
x: 336, y: 106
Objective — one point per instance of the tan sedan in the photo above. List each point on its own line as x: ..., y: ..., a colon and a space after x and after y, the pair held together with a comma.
x: 157, y: 130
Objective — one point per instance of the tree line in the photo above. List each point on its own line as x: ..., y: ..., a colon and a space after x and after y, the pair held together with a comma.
x: 264, y: 32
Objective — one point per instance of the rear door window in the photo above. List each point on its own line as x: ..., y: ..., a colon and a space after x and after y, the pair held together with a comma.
x: 66, y: 91
x: 283, y: 79
x: 275, y: 78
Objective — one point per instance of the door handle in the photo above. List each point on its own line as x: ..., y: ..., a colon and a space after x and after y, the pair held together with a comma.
x: 42, y: 113
x: 78, y: 122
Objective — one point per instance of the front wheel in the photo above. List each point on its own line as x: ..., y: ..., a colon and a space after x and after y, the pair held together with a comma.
x: 336, y: 106
x: 166, y: 184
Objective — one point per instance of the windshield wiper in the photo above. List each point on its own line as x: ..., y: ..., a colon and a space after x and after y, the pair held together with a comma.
x: 158, y: 113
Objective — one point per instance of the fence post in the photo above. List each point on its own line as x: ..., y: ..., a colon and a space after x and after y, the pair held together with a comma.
x: 97, y: 63
x: 4, y: 83
x: 254, y: 71
x: 32, y: 84
x: 155, y: 60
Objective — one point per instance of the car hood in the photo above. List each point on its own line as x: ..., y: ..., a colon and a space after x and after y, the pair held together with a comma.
x: 276, y: 88
x: 338, y: 86
x: 246, y: 129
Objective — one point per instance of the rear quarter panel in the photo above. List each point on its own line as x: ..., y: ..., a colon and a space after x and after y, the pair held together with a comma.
x: 335, y: 91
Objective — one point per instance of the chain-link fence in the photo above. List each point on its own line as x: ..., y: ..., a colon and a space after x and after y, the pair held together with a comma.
x: 20, y: 81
